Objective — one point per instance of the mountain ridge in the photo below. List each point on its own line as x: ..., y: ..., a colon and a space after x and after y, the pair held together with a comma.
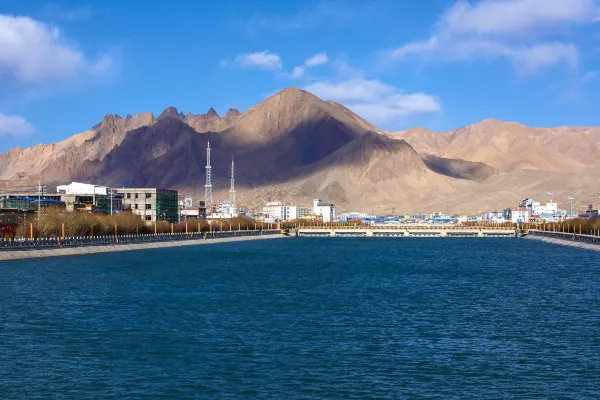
x: 296, y: 146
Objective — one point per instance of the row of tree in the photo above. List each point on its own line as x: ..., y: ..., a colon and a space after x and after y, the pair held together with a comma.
x: 584, y: 226
x: 56, y: 223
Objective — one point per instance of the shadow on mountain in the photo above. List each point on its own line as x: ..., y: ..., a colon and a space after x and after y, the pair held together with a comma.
x: 459, y: 169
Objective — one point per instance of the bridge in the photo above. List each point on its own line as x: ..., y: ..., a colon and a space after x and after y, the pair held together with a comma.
x: 408, y: 231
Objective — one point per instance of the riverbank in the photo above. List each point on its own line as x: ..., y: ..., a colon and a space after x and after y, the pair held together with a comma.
x: 10, y: 255
x: 565, y: 242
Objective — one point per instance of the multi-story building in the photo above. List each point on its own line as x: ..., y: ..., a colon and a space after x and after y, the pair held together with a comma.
x: 325, y: 210
x: 356, y: 216
x: 88, y: 197
x: 151, y: 204
x: 275, y: 211
x: 516, y: 214
x: 494, y: 216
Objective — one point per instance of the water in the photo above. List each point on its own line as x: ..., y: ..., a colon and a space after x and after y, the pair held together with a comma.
x: 310, y: 318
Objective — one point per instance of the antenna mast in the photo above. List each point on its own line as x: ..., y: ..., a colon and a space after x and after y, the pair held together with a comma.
x: 571, y: 199
x: 208, y: 185
x: 232, y: 189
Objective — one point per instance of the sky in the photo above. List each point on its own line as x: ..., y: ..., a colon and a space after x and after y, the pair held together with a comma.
x: 439, y: 64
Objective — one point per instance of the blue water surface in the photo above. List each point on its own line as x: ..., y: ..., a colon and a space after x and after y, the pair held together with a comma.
x: 306, y: 318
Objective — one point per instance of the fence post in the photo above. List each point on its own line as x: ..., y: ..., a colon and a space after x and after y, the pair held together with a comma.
x: 186, y: 228
x: 63, y: 230
x: 155, y: 229
x: 30, y: 231
x: 171, y: 228
x: 198, y: 227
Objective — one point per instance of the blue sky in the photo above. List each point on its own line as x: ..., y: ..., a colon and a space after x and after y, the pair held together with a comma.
x: 440, y: 64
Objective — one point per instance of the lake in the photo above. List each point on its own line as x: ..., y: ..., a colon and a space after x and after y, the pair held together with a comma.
x: 305, y: 318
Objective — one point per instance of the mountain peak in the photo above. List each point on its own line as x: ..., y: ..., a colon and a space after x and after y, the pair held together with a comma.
x: 233, y: 112
x: 171, y: 112
x: 212, y: 113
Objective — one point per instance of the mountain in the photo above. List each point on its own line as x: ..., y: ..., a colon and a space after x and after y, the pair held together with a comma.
x: 510, y: 146
x: 294, y: 146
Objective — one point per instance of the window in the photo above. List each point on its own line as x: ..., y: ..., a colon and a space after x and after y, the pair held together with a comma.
x: 135, y: 206
x: 128, y: 195
x: 136, y: 195
x: 148, y: 218
x: 148, y: 206
x: 148, y: 195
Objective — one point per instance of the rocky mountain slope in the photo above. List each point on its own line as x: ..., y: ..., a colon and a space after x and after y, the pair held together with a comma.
x: 294, y: 146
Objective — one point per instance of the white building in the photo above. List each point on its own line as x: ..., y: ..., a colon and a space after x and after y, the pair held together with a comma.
x: 325, y: 210
x: 82, y: 189
x: 224, y: 210
x: 549, y: 209
x: 275, y: 211
x: 516, y: 214
x: 494, y: 216
x: 355, y: 216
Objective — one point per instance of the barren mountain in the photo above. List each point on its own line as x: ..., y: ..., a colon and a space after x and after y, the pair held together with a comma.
x: 510, y: 146
x: 294, y: 146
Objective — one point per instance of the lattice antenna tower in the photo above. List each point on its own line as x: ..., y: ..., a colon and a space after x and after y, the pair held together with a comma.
x: 571, y: 200
x: 232, y: 188
x: 208, y: 185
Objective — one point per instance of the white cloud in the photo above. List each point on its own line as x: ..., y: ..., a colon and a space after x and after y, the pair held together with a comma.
x: 298, y: 72
x: 351, y: 91
x: 503, y: 17
x: 374, y: 100
x: 316, y: 60
x: 262, y: 60
x: 34, y: 52
x: 589, y: 76
x: 510, y: 29
x: 14, y: 125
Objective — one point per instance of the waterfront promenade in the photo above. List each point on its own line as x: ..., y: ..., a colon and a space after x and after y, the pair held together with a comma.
x: 587, y: 242
x: 409, y: 231
x: 25, y: 253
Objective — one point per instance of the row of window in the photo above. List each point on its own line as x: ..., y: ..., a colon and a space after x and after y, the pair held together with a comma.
x: 148, y: 195
x: 148, y: 206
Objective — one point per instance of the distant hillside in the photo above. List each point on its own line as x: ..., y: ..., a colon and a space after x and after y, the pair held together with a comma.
x: 293, y: 146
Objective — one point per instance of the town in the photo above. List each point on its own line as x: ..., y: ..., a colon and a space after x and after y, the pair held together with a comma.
x: 167, y: 205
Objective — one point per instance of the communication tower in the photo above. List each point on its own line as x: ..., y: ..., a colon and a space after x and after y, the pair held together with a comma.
x: 571, y: 199
x: 232, y: 188
x: 208, y: 185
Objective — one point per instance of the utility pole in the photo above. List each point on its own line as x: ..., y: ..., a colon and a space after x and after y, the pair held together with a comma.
x: 571, y: 199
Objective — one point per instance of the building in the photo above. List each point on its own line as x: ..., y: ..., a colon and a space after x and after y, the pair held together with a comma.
x: 325, y: 210
x: 275, y: 211
x: 516, y: 214
x: 224, y: 210
x: 26, y: 204
x: 81, y: 188
x: 355, y: 216
x: 187, y: 210
x: 87, y: 197
x: 590, y: 212
x: 151, y: 204
x: 494, y: 216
